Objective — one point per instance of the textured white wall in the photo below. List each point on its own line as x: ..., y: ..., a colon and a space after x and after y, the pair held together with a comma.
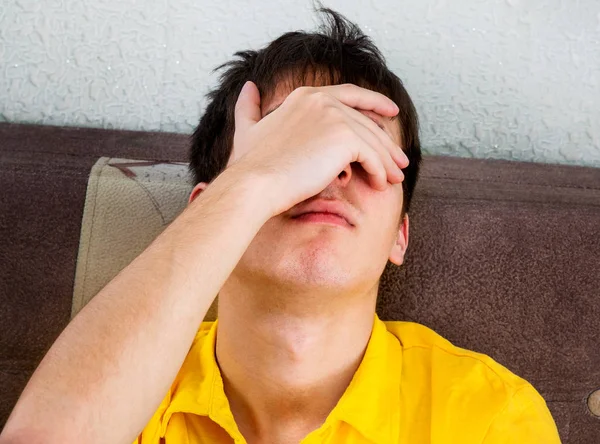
x: 511, y: 79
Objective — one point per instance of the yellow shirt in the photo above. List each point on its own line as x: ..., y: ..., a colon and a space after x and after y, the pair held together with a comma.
x: 412, y: 386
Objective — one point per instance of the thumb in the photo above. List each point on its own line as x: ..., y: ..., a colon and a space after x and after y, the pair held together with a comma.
x: 247, y: 107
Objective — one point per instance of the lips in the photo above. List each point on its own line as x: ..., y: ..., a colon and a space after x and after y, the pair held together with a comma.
x: 335, y: 207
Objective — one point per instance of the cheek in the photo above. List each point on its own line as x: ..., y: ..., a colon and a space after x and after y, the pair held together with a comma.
x: 382, y: 208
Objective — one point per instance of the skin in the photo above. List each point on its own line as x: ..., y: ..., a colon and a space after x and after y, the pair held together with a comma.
x: 296, y: 314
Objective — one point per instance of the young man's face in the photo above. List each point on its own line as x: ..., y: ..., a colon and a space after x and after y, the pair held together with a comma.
x: 310, y: 255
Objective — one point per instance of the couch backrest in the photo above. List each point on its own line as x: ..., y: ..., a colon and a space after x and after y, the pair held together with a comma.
x: 503, y: 257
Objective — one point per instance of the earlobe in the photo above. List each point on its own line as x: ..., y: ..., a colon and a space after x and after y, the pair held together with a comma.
x: 401, y: 244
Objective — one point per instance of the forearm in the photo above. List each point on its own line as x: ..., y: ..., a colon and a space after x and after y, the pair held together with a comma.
x: 108, y: 371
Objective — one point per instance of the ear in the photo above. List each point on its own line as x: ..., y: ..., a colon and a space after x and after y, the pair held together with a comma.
x: 401, y: 244
x: 196, y: 191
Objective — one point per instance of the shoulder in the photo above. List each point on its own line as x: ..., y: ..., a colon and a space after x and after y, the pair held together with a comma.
x: 420, y: 342
x: 524, y: 418
x: 468, y: 388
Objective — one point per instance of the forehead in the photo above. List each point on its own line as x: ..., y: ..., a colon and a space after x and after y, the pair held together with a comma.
x: 286, y: 85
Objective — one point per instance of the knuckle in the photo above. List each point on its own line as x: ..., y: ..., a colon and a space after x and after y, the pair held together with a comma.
x: 294, y: 95
x: 332, y: 113
x: 325, y: 105
x: 300, y: 91
x: 321, y: 98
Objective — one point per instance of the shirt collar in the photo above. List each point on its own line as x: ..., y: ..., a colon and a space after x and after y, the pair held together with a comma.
x: 198, y: 388
x: 370, y: 403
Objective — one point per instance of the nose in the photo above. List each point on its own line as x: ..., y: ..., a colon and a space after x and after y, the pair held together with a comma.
x: 345, y: 176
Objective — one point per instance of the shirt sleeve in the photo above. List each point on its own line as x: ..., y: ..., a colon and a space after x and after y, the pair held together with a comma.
x: 525, y: 419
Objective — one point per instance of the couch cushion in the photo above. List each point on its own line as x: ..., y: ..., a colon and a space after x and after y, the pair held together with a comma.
x: 128, y: 204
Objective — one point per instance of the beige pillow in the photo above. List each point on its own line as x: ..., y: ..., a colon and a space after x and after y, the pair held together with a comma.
x: 128, y: 204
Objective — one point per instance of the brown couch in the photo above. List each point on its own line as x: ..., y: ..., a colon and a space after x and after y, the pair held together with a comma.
x: 503, y: 259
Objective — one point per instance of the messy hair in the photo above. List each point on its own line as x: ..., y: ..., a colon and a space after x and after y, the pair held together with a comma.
x: 340, y: 52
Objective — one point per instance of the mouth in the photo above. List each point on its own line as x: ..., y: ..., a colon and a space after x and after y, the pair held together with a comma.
x: 323, y: 218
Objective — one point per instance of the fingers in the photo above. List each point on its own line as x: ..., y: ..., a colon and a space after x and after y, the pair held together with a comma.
x: 371, y: 162
x: 392, y: 172
x: 247, y: 107
x: 356, y: 97
x: 394, y: 150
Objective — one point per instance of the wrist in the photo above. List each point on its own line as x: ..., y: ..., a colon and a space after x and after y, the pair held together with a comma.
x: 249, y: 192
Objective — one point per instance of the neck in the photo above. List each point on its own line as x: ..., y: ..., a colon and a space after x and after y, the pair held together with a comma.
x: 285, y: 370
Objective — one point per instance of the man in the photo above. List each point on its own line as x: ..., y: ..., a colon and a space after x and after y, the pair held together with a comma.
x: 300, y: 201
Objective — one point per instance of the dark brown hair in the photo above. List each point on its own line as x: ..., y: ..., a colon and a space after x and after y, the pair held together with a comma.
x: 338, y: 50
